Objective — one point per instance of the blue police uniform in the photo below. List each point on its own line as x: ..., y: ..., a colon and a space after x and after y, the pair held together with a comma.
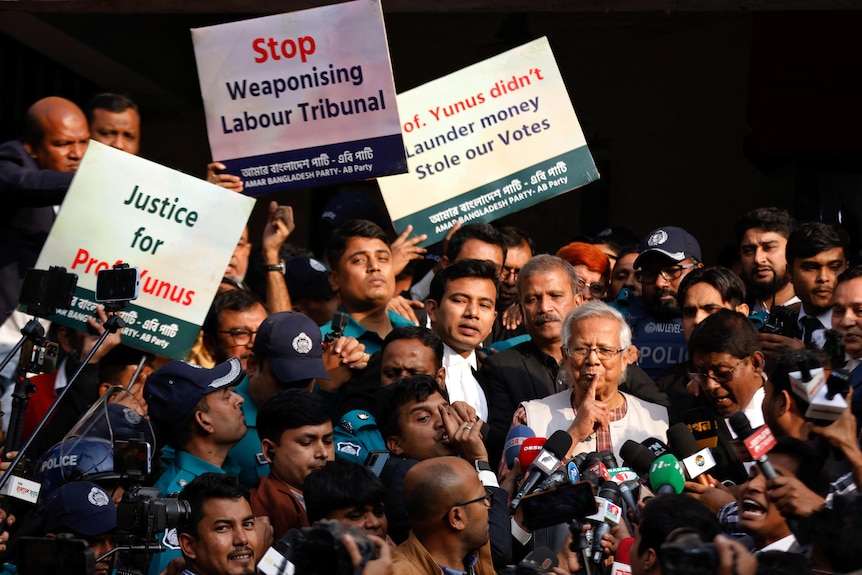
x: 370, y: 339
x: 247, y: 453
x: 660, y: 343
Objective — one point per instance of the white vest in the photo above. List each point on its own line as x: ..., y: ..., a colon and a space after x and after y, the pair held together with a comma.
x: 642, y: 420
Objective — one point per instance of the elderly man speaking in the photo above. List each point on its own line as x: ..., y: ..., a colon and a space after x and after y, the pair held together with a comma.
x: 596, y: 349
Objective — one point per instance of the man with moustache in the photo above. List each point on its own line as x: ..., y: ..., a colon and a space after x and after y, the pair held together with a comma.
x: 667, y: 255
x: 548, y: 291
x: 762, y: 237
x: 847, y: 319
x: 597, y: 347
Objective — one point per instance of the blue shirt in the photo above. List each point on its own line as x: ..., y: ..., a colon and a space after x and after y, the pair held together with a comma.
x: 370, y: 339
x: 177, y: 475
x: 247, y: 453
x: 660, y: 343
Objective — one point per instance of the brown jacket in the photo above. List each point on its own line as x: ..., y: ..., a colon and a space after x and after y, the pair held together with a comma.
x: 411, y: 558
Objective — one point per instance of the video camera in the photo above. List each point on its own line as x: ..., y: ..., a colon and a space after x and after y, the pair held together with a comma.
x: 317, y: 550
x: 685, y: 553
x: 779, y: 320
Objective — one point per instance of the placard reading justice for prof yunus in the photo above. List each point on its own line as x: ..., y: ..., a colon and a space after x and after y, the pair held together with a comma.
x: 486, y: 141
x: 301, y: 99
x: 179, y: 230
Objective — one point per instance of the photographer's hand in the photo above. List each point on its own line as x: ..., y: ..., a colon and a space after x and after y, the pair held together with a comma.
x: 341, y: 359
x: 733, y: 557
x: 771, y: 343
x: 98, y: 327
x: 841, y: 434
x: 382, y: 565
x: 792, y: 497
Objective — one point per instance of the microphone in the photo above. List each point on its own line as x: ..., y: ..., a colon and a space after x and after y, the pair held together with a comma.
x: 757, y: 442
x: 622, y: 559
x: 684, y: 445
x: 608, y: 458
x: 545, y: 463
x: 600, y: 470
x: 565, y: 473
x: 514, y: 439
x: 637, y: 456
x: 609, y: 513
x: 529, y: 450
x: 703, y: 425
x: 657, y: 446
x: 539, y: 560
x: 666, y: 475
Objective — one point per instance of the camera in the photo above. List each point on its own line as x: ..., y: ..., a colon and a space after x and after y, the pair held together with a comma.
x: 685, y: 553
x: 779, y: 321
x: 339, y: 322
x: 319, y: 550
x: 38, y: 357
x: 44, y: 292
x: 141, y: 516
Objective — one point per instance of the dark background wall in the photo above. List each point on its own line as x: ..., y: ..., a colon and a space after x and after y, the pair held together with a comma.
x: 693, y: 117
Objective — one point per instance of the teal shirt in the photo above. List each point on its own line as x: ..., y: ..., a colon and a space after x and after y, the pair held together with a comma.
x: 247, y: 453
x: 177, y: 475
x: 370, y: 339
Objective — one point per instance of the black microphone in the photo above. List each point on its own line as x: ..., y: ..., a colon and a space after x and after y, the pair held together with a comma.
x: 548, y: 460
x: 695, y: 461
x: 657, y: 446
x: 610, y: 493
x: 758, y: 442
x: 609, y: 459
x: 637, y: 456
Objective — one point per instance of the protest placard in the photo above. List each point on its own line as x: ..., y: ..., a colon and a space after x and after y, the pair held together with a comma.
x: 486, y: 141
x: 301, y: 99
x: 179, y: 230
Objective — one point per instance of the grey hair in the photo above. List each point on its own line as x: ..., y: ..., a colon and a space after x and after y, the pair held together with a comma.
x: 546, y: 263
x: 598, y: 309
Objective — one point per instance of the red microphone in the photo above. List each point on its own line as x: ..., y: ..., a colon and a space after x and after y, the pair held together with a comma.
x: 529, y: 450
x: 622, y: 558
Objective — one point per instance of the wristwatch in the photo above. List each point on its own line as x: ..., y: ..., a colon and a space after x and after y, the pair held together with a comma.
x: 279, y: 267
x: 482, y: 466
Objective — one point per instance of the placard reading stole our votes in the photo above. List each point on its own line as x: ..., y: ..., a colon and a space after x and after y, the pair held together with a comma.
x: 179, y: 230
x: 487, y: 141
x: 301, y: 99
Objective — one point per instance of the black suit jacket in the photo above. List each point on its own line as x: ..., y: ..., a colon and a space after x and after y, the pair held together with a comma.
x: 27, y: 216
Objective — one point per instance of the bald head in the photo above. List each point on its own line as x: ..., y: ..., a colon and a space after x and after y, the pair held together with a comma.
x: 56, y: 134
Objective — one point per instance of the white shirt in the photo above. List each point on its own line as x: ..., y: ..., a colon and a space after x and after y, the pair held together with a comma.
x: 818, y: 338
x: 754, y: 412
x: 461, y: 383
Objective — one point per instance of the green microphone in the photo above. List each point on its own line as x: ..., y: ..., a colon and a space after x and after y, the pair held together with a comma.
x: 666, y: 475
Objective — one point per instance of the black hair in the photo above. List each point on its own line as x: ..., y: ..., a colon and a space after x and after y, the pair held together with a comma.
x: 476, y: 231
x: 341, y: 484
x: 725, y: 331
x: 116, y: 361
x: 390, y: 399
x: 291, y: 409
x: 232, y: 300
x: 514, y: 237
x: 116, y: 103
x: 726, y: 283
x: 424, y: 335
x: 768, y: 219
x: 812, y: 476
x: 206, y: 486
x: 481, y: 269
x: 668, y: 512
x: 850, y: 274
x: 179, y: 434
x: 811, y: 238
x: 351, y: 229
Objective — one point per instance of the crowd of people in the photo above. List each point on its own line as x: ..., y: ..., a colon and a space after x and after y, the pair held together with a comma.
x: 417, y: 396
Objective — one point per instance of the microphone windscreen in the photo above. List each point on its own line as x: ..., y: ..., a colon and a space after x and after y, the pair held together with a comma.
x: 529, y: 450
x: 514, y: 439
x: 637, y: 456
x: 703, y: 425
x: 667, y: 470
x: 656, y: 445
x: 682, y: 443
x: 624, y: 549
x: 559, y: 443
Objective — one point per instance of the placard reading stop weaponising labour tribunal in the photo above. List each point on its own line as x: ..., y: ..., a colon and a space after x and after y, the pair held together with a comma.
x: 179, y: 230
x: 301, y: 99
x: 487, y: 141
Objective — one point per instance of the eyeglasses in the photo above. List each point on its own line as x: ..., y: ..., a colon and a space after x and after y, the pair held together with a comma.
x: 603, y: 353
x: 239, y: 336
x: 488, y: 499
x: 509, y: 272
x: 668, y: 273
x: 720, y: 377
x: 594, y: 289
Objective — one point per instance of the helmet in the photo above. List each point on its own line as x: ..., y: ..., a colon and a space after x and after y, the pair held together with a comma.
x: 73, y: 460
